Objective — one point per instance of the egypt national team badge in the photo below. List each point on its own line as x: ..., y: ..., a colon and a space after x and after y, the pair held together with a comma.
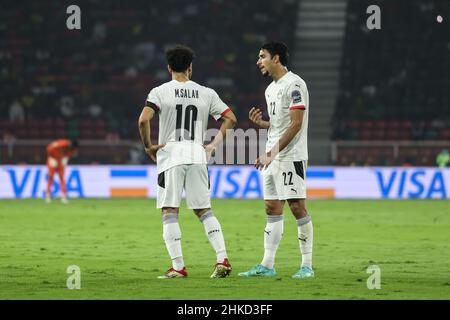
x: 279, y: 94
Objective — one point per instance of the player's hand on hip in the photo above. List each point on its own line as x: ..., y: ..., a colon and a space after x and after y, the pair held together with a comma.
x: 153, y: 150
x: 263, y: 161
x: 255, y: 115
x: 210, y: 151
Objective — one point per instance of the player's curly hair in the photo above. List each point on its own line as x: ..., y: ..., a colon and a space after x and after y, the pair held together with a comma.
x: 180, y: 57
x: 278, y: 48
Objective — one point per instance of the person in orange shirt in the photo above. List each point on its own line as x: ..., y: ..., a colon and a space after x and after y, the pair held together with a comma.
x: 58, y: 154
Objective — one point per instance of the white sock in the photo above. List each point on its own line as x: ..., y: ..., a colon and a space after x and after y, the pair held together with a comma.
x: 272, y: 238
x: 214, y: 234
x: 172, y: 238
x: 305, y: 239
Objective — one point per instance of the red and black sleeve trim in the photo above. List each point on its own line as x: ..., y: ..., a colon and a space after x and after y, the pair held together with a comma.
x: 302, y: 107
x: 225, y: 112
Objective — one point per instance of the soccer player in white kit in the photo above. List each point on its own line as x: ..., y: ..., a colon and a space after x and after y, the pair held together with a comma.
x: 183, y: 107
x: 285, y: 161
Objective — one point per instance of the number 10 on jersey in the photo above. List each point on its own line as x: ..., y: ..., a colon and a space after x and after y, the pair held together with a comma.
x: 190, y: 117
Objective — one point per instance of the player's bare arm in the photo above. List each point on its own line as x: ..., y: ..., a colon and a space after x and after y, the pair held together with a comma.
x: 229, y: 121
x: 255, y: 116
x: 144, y: 130
x: 295, y: 125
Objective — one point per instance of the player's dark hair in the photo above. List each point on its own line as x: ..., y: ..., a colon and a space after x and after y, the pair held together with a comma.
x: 180, y: 57
x: 278, y: 48
x: 74, y: 143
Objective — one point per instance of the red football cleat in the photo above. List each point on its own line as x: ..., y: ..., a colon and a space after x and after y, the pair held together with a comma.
x: 222, y: 269
x: 172, y: 273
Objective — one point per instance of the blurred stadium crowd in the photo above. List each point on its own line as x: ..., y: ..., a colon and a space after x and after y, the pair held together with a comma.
x: 407, y: 96
x: 90, y: 84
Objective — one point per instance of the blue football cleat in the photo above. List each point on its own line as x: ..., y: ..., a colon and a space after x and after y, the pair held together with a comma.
x: 259, y: 271
x: 304, y: 272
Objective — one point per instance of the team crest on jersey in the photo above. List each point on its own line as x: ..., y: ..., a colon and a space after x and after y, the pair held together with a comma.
x: 296, y: 96
x: 279, y: 94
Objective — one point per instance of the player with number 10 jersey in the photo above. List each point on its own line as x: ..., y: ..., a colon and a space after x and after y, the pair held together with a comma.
x: 184, y: 107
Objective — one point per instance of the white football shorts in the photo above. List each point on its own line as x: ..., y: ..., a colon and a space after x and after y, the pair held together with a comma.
x: 284, y: 180
x: 193, y: 178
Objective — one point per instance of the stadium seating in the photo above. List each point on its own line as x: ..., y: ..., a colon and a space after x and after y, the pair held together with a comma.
x: 118, y: 55
x: 392, y: 86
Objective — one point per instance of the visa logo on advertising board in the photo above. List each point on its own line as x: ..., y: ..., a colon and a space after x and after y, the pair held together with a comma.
x: 230, y: 182
x: 246, y: 182
x: 81, y: 181
x: 32, y: 182
x: 412, y: 183
x: 234, y: 182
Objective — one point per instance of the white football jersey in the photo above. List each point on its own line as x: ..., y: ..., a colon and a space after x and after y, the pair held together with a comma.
x: 183, y: 108
x: 289, y: 92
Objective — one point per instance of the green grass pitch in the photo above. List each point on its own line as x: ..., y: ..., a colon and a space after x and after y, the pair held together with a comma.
x: 119, y: 248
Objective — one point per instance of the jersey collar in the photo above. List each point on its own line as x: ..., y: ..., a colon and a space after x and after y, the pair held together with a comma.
x: 282, y: 78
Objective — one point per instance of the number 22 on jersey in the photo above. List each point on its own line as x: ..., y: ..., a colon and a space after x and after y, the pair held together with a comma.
x: 272, y: 108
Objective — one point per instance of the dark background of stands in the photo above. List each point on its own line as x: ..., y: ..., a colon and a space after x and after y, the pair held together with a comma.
x: 91, y: 83
x: 395, y: 82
